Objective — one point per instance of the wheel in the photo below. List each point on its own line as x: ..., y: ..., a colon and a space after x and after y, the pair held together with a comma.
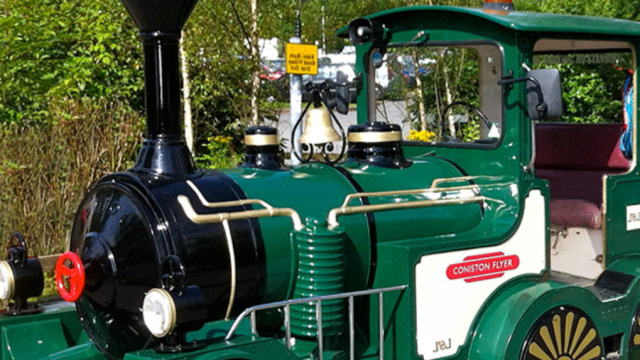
x: 633, y: 350
x: 563, y: 333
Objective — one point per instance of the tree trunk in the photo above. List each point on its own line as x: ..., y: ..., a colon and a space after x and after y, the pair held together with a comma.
x: 422, y: 114
x: 255, y: 57
x: 448, y: 92
x: 186, y: 96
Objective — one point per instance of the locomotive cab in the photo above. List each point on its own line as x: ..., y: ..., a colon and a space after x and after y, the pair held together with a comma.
x: 459, y: 88
x: 513, y: 109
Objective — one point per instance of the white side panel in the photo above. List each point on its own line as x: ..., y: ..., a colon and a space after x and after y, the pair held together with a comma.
x: 451, y: 287
x: 633, y: 217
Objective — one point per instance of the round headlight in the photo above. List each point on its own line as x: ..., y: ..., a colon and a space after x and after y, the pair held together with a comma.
x: 159, y: 312
x: 7, y: 281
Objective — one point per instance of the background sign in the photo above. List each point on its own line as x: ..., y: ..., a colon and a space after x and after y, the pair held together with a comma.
x: 302, y: 59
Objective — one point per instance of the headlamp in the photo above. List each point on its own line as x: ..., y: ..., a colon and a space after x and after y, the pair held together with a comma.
x: 159, y: 312
x: 7, y: 281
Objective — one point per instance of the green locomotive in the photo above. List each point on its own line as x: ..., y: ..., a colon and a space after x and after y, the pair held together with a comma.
x: 509, y: 235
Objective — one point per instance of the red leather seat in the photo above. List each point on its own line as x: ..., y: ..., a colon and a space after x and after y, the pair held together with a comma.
x: 574, y: 158
x: 575, y: 213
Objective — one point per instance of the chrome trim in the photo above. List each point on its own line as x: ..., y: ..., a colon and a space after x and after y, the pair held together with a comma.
x: 381, y: 325
x: 318, y: 300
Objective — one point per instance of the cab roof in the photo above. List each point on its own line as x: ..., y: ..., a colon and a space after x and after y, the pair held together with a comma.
x: 526, y: 21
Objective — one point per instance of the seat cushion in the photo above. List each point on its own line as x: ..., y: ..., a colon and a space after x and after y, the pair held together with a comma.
x: 575, y: 213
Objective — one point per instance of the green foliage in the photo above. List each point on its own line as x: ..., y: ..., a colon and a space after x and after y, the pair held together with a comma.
x: 470, y: 131
x: 220, y: 68
x: 591, y: 96
x: 53, y: 51
x: 42, y: 181
x: 218, y: 153
x: 591, y: 92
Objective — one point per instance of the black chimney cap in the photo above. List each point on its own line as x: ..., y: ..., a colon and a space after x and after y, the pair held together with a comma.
x: 166, y: 16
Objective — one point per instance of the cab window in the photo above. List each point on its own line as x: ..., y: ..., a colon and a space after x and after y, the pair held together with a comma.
x: 450, y: 91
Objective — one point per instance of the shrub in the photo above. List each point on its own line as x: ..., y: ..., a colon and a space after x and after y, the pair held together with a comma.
x: 46, y: 170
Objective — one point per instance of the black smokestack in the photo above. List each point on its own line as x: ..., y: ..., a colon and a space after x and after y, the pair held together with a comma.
x: 160, y: 23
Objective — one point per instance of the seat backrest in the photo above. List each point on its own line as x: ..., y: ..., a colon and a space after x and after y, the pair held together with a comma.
x: 594, y: 147
x: 574, y: 157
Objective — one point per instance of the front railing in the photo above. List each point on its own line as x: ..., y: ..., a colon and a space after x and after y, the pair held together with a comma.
x: 318, y: 301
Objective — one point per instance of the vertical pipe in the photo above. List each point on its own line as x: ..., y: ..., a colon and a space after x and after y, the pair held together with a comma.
x: 287, y: 325
x: 163, y: 151
x: 295, y: 109
x: 352, y: 332
x: 162, y: 84
x: 254, y: 323
x: 321, y: 271
x: 320, y: 335
x: 381, y: 323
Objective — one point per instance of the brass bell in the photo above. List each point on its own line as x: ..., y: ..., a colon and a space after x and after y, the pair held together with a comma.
x: 318, y: 128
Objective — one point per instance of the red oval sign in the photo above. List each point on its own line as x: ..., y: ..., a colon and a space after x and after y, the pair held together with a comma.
x: 483, y: 267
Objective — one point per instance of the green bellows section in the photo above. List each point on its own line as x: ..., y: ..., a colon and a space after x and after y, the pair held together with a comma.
x: 321, y: 271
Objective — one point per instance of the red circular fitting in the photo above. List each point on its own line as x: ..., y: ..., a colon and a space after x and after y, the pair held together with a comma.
x: 74, y: 275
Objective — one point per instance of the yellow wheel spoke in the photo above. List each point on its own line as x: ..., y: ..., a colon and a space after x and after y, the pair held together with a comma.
x: 546, y: 337
x: 581, y: 324
x: 587, y: 339
x: 636, y: 339
x: 557, y: 332
x: 592, y: 354
x: 567, y: 331
x: 536, y: 351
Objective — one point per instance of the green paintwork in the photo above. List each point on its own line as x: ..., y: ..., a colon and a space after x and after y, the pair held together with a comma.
x: 504, y: 322
x: 321, y: 271
x: 501, y: 327
x: 312, y: 190
x: 515, y: 20
x: 55, y: 333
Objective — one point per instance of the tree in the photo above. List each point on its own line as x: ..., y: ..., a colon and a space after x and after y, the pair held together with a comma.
x: 53, y: 51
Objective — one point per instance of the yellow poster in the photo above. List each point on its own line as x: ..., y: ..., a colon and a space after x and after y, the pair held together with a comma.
x: 302, y: 59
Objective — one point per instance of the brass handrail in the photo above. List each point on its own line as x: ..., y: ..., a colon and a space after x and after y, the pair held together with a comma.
x: 268, y: 211
x: 432, y: 190
x: 225, y: 217
x: 345, y: 209
x: 240, y: 215
x: 332, y: 219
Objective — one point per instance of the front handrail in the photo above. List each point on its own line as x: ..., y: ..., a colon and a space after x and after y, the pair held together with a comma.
x: 318, y: 300
x: 268, y: 211
x: 225, y: 217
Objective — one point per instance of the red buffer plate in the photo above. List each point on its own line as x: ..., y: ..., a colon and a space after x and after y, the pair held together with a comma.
x: 74, y: 275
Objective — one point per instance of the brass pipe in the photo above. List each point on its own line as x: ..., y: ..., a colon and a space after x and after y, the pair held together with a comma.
x: 350, y: 197
x: 332, y: 219
x: 212, y: 205
x: 437, y: 182
x: 240, y: 215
